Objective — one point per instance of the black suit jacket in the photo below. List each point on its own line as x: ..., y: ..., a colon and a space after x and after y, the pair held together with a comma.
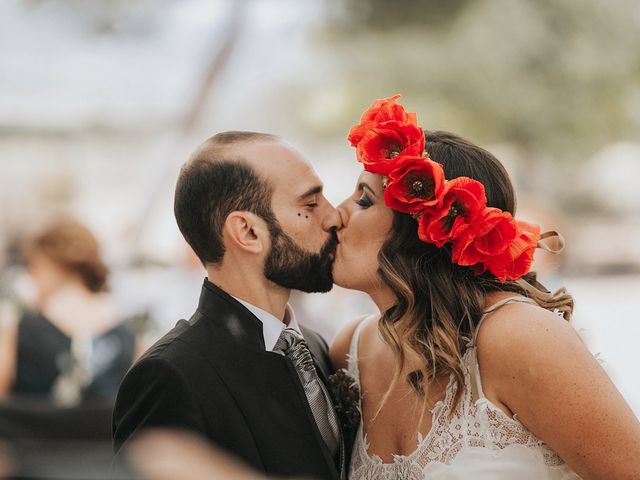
x: 212, y: 375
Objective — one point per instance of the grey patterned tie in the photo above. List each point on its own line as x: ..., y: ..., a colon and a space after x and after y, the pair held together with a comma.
x: 292, y: 344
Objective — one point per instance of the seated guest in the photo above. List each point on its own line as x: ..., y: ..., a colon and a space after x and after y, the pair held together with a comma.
x: 71, y: 347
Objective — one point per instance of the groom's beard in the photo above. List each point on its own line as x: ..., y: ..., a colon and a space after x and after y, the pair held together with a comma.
x: 291, y: 266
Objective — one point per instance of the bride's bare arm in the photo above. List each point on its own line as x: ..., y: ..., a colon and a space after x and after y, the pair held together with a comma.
x: 535, y: 363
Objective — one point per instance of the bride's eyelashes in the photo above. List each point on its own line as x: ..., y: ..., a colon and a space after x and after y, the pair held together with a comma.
x: 364, y: 201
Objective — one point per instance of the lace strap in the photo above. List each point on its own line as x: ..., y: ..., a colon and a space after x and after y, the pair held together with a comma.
x: 352, y: 358
x: 493, y: 308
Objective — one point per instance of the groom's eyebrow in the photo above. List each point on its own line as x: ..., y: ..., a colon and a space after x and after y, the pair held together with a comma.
x: 312, y: 191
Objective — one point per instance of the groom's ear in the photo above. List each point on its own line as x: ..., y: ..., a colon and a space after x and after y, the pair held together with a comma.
x: 246, y: 232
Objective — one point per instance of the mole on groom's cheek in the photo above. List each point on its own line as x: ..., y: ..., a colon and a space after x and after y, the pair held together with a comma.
x: 306, y: 216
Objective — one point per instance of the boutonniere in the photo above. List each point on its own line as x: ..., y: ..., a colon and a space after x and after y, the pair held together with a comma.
x: 346, y: 396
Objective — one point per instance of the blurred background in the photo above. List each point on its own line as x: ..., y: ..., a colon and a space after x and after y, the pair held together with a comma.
x: 102, y: 101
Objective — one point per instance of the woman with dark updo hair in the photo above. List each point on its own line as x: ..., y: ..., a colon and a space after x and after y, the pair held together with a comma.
x: 71, y: 347
x: 471, y: 369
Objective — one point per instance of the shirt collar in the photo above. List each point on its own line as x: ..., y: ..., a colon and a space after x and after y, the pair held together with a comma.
x: 272, y: 327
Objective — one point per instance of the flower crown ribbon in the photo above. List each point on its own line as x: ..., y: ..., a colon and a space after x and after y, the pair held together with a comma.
x: 451, y: 213
x: 559, y: 241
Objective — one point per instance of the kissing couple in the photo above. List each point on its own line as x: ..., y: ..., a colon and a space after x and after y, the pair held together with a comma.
x: 470, y: 369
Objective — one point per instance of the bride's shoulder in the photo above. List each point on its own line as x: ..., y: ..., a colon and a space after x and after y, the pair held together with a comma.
x: 342, y: 341
x: 516, y: 325
x: 523, y: 341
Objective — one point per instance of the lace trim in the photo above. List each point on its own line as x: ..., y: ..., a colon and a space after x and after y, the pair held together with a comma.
x: 472, y: 424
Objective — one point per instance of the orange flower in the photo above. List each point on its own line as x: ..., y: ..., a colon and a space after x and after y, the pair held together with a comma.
x: 489, y: 235
x: 379, y: 112
x: 463, y: 200
x: 380, y: 145
x: 516, y: 260
x: 415, y: 184
x: 390, y: 142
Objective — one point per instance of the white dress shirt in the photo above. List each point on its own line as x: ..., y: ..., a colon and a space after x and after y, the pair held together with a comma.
x: 271, y: 326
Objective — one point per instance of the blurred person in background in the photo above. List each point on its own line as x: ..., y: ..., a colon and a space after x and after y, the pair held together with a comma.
x: 70, y: 347
x: 471, y: 369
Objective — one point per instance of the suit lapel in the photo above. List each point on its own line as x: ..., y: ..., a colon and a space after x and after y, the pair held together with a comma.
x: 265, y: 385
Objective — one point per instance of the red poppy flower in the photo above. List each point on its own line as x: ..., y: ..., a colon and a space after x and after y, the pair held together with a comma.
x: 488, y: 235
x: 381, y: 111
x: 463, y: 200
x: 382, y: 144
x: 415, y: 184
x: 516, y: 260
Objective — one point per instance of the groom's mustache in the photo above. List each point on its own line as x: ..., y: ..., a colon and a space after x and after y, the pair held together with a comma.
x: 329, y: 248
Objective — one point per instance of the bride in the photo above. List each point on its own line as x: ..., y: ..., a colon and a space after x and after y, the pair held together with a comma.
x: 471, y: 370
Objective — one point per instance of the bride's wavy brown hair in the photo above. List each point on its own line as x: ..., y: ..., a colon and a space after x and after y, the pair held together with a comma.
x: 439, y: 304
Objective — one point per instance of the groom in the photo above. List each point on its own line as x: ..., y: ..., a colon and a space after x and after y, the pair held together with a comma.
x: 252, y: 209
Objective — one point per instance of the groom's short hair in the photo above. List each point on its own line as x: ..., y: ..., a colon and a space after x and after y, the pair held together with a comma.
x: 215, y: 182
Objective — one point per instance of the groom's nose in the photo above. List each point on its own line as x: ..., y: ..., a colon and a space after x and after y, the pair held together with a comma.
x: 332, y: 221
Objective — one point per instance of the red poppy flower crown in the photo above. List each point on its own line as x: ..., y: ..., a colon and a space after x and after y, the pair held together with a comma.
x: 453, y: 212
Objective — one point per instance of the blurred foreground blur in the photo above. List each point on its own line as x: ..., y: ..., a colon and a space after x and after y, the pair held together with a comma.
x: 167, y: 455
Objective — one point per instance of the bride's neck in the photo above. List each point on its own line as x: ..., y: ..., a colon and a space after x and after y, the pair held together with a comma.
x: 383, y: 297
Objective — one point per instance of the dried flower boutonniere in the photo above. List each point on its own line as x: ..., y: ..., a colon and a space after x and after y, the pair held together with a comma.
x: 346, y: 396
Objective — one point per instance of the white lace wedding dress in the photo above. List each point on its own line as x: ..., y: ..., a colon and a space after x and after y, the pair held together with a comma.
x: 478, y: 441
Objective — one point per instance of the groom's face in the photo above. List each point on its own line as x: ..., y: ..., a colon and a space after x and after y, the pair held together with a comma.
x: 290, y: 265
x: 303, y: 242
